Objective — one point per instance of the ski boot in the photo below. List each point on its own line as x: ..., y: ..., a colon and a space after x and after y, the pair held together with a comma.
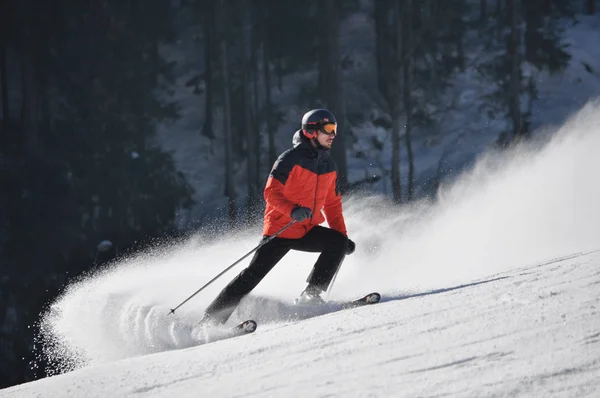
x: 310, y: 296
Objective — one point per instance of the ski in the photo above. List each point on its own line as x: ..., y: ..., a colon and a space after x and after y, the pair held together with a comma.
x: 211, y: 333
x: 371, y: 298
x: 246, y: 327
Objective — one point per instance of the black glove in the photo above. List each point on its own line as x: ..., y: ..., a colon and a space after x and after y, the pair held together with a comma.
x: 301, y: 213
x: 350, y: 247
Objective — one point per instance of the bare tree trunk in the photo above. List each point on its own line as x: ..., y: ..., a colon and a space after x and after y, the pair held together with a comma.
x: 383, y: 48
x: 4, y: 84
x: 533, y: 30
x: 44, y: 99
x: 396, y: 107
x: 29, y: 110
x: 515, y: 71
x: 251, y: 154
x: 272, y: 151
x: 227, y: 132
x: 395, y: 174
x: 434, y: 85
x: 4, y: 62
x: 406, y: 89
x: 590, y: 7
x: 388, y: 50
x: 208, y: 25
x: 4, y: 141
x: 331, y: 82
x: 482, y: 11
x: 500, y: 18
x: 256, y: 123
x: 268, y: 112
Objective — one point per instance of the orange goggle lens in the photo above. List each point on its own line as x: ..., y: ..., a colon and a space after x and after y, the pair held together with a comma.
x: 329, y: 129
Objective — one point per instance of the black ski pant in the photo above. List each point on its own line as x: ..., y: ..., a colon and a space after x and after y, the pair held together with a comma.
x: 330, y: 243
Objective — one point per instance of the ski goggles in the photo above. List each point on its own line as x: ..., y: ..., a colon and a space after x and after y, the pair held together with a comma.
x: 328, y: 129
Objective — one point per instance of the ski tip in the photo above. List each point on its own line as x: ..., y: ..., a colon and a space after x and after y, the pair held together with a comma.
x: 372, y: 298
x: 248, y: 326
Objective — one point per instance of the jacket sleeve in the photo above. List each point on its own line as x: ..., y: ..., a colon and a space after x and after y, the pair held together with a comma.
x: 333, y: 208
x: 276, y: 182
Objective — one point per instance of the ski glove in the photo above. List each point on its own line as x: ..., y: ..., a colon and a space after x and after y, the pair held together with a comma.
x: 301, y: 213
x: 350, y: 247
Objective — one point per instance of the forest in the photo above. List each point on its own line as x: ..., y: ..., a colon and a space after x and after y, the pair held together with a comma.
x: 85, y: 86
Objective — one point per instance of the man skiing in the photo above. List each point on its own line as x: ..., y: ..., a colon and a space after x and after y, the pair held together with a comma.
x: 302, y: 182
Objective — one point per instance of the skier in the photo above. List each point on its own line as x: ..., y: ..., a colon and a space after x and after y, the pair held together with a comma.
x: 302, y: 182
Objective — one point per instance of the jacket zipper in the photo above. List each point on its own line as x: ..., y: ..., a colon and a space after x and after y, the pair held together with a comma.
x: 316, y: 188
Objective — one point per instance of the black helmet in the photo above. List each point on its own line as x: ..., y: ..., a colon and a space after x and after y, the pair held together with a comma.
x: 313, y: 120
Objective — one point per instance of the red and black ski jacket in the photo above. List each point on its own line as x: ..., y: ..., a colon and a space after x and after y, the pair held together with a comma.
x: 303, y: 176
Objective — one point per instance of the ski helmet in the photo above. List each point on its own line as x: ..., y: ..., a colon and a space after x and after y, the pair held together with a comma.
x: 314, y: 120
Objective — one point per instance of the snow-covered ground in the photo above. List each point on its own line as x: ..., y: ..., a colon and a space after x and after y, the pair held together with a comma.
x: 532, y: 332
x: 492, y: 291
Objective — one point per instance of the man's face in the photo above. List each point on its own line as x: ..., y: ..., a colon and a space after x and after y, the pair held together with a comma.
x: 326, y: 140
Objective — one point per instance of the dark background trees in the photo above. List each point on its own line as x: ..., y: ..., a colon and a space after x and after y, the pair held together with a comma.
x: 78, y: 163
x: 84, y: 86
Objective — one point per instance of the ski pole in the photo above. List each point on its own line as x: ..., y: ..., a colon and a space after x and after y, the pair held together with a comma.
x: 267, y: 240
x: 334, y: 276
x: 333, y: 279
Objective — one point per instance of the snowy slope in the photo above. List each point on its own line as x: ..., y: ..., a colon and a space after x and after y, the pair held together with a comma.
x: 493, y: 291
x: 530, y: 332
